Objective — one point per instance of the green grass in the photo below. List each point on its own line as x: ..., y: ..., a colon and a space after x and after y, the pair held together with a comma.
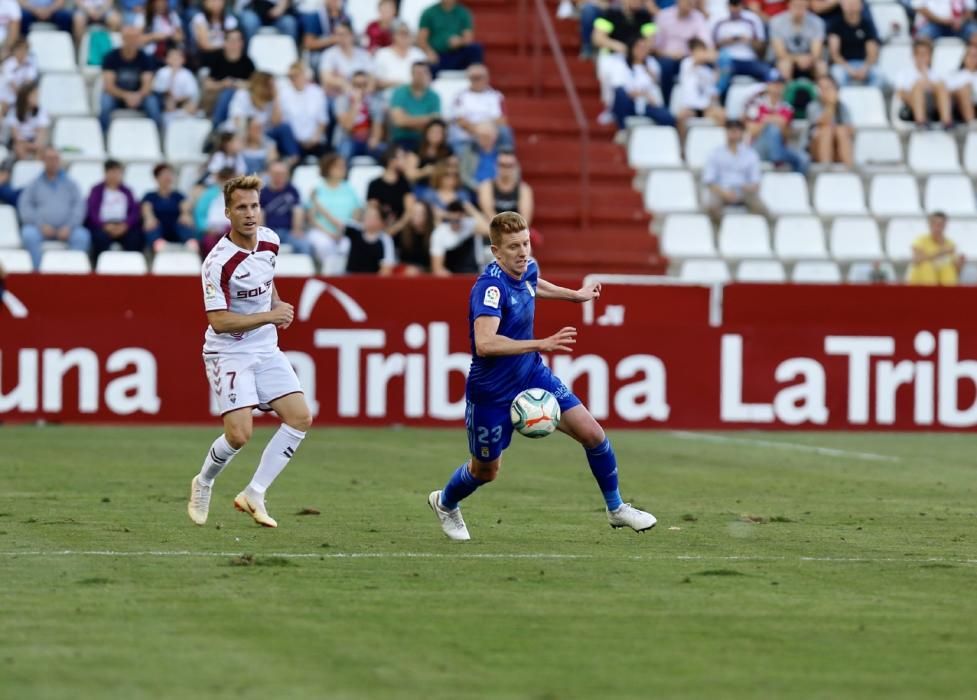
x: 773, y: 573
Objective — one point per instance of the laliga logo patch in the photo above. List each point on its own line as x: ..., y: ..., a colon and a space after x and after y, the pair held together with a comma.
x: 210, y: 291
x: 492, y: 297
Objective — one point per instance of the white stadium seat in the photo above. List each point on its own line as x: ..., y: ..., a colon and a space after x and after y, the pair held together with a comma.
x: 16, y: 260
x: 79, y: 138
x: 761, y: 271
x: 176, y: 263
x: 84, y: 50
x: 894, y: 195
x: 65, y: 262
x: 865, y: 272
x: 139, y: 178
x: 670, y: 191
x: 810, y: 271
x: 654, y: 147
x: 737, y: 97
x: 361, y: 14
x: 963, y: 232
x: 839, y: 194
x: 701, y: 142
x: 899, y: 237
x: 687, y: 236
x: 24, y: 172
x: 866, y: 104
x: 799, y: 238
x: 891, y: 21
x: 953, y: 194
x: 134, y: 139
x: 188, y: 178
x: 360, y: 177
x: 185, y: 140
x: 894, y: 59
x: 9, y: 227
x: 744, y: 236
x: 970, y: 153
x: 304, y: 179
x: 54, y: 51
x: 86, y: 175
x: 411, y: 11
x: 448, y: 90
x: 704, y: 271
x: 855, y: 238
x: 272, y: 53
x: 947, y: 55
x: 121, y: 262
x: 878, y: 147
x: 294, y: 265
x: 64, y: 95
x: 933, y: 152
x: 785, y: 193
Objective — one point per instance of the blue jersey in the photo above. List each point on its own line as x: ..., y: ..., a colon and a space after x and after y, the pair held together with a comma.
x: 497, y: 380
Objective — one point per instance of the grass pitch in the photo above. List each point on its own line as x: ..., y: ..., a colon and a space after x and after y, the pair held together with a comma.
x: 775, y: 571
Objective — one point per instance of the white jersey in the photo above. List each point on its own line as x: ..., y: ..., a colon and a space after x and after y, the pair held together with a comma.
x: 240, y: 281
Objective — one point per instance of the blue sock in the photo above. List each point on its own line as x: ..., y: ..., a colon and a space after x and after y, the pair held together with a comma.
x: 460, y: 486
x: 603, y: 465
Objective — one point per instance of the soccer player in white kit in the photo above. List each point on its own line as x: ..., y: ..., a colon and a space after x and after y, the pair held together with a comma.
x: 244, y: 365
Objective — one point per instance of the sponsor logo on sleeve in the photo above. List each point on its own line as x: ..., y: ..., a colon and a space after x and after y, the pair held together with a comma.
x: 210, y: 291
x: 492, y: 297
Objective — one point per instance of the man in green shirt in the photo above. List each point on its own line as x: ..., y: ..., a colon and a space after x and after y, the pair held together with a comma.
x: 413, y: 106
x: 447, y: 36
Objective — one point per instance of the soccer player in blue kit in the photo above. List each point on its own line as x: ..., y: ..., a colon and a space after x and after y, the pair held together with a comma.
x: 505, y: 362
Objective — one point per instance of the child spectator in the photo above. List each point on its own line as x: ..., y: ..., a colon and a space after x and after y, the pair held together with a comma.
x: 342, y: 61
x: 962, y: 84
x: 208, y: 211
x: 392, y: 64
x: 371, y: 249
x: 28, y: 124
x: 163, y: 28
x: 334, y: 202
x: 359, y: 120
x: 281, y: 209
x: 831, y: 126
x: 166, y: 214
x: 698, y: 87
x: 392, y: 191
x: 638, y: 92
x: 18, y: 69
x: 94, y: 13
x: 922, y: 91
x: 113, y: 214
x: 258, y: 150
x: 176, y: 87
x: 414, y: 240
x: 769, y: 118
x: 379, y: 32
x: 226, y: 156
x: 447, y: 36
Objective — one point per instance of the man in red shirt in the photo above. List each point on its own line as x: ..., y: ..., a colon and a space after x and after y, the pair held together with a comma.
x: 769, y: 117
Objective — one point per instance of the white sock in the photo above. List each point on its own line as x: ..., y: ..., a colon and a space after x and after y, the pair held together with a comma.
x: 220, y: 455
x: 281, y: 448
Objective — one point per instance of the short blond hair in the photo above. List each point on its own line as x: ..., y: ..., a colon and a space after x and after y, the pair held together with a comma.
x: 242, y: 182
x: 506, y: 222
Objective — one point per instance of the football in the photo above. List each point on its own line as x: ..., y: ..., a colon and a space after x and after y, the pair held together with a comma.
x: 535, y: 413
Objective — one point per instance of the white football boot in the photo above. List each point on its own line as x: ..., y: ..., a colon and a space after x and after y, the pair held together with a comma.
x: 629, y: 516
x: 254, y: 508
x: 199, y: 503
x: 452, y: 523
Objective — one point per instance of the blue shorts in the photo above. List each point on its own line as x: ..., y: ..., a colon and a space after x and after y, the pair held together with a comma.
x: 490, y: 426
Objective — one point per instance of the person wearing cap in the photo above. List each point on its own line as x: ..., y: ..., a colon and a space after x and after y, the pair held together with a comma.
x: 732, y: 175
x: 768, y: 124
x: 740, y: 39
x: 614, y: 32
x: 446, y: 32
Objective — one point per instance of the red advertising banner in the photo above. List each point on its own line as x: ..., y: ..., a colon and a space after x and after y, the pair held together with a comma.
x: 379, y: 351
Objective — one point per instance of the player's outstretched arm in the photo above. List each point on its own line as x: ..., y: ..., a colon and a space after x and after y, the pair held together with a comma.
x: 548, y: 290
x: 488, y: 342
x: 229, y: 322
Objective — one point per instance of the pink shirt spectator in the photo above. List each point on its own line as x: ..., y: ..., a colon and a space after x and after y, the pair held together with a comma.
x: 674, y: 31
x: 763, y: 108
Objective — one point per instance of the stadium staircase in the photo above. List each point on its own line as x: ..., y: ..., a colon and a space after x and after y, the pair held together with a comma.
x: 616, y: 236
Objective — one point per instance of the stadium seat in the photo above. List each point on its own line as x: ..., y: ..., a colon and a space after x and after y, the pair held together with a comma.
x: 139, y: 178
x: 360, y: 177
x: 899, y: 237
x: 953, y: 194
x: 744, y: 236
x: 9, y: 227
x: 866, y: 104
x: 670, y: 191
x: 963, y: 232
x: 737, y: 97
x: 839, y: 194
x: 947, y: 55
x: 294, y: 265
x: 272, y: 53
x: 411, y: 11
x: 121, y: 262
x: 185, y: 140
x: 16, y: 260
x: 761, y: 271
x: 687, y: 236
x: 361, y: 14
x: 84, y: 50
x: 855, y: 238
x: 54, y: 51
x: 654, y: 147
x: 305, y: 178
x: 134, y: 139
x: 785, y: 193
x: 79, y: 138
x: 176, y: 263
x: 188, y: 178
x: 970, y: 153
x: 809, y: 271
x: 24, y: 172
x: 874, y: 147
x: 799, y: 238
x: 891, y: 21
x: 968, y: 273
x: 704, y: 271
x: 865, y: 272
x: 700, y: 142
x: 933, y: 152
x: 448, y: 90
x: 64, y: 95
x: 894, y: 195
x: 65, y: 262
x: 86, y: 175
x: 893, y: 60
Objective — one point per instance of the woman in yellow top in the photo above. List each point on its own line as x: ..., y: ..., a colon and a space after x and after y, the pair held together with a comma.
x: 935, y: 259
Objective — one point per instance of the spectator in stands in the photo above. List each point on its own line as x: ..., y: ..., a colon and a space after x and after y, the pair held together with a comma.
x: 697, y: 86
x: 257, y: 148
x: 447, y: 36
x: 371, y: 249
x: 260, y: 101
x: 269, y: 13
x: 127, y: 80
x: 360, y: 115
x: 166, y: 214
x: 392, y: 191
x: 176, y: 87
x: 614, y: 32
x: 230, y: 71
x: 10, y: 16
x: 163, y: 29
x: 318, y: 23
x: 342, y: 61
x: 740, y: 39
x: 52, y: 11
x: 638, y: 92
x: 456, y: 241
x: 676, y: 27
x: 507, y: 192
x: 304, y: 108
x: 334, y: 202
x: 28, y: 123
x: 392, y: 64
x: 8, y: 195
x: 962, y: 84
x: 853, y: 45
x: 113, y: 213
x: 281, y: 209
x: 831, y: 126
x: 414, y: 240
x: 479, y: 104
x: 413, y: 107
x: 767, y: 9
x: 477, y: 159
x: 935, y: 259
x: 937, y: 19
x: 922, y: 91
x: 210, y: 27
x: 226, y: 156
x: 94, y: 13
x: 208, y: 212
x: 797, y: 40
x: 769, y: 118
x: 445, y: 188
x: 51, y: 208
x: 432, y: 150
x: 379, y: 32
x: 732, y: 174
x: 18, y: 69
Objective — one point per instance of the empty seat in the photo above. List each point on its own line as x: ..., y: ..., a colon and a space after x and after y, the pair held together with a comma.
x: 687, y: 236
x: 24, y: 172
x: 799, y: 238
x: 188, y: 178
x: 670, y: 190
x: 785, y: 193
x: 953, y: 194
x: 654, y: 147
x: 139, y: 178
x: 294, y: 265
x: 866, y: 104
x: 871, y: 272
x: 963, y: 232
x: 970, y: 153
x: 121, y: 262
x: 16, y: 260
x: 816, y: 271
x: 761, y: 271
x: 838, y: 194
x: 700, y: 142
x: 448, y: 90
x: 272, y: 53
x: 361, y: 14
x: 891, y: 21
x: 947, y: 55
x: 185, y: 140
x: 899, y: 237
x: 79, y: 138
x: 933, y: 152
x: 360, y: 177
x: 86, y: 175
x: 134, y: 139
x: 54, y: 51
x: 894, y: 59
x: 855, y: 238
x: 176, y: 262
x: 411, y: 11
x: 894, y: 195
x: 878, y: 147
x: 9, y: 227
x: 305, y: 178
x: 64, y: 94
x: 744, y: 236
x: 65, y: 262
x: 704, y: 271
x: 737, y: 97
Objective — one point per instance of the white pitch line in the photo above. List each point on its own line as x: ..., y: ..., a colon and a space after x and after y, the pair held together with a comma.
x: 797, y: 447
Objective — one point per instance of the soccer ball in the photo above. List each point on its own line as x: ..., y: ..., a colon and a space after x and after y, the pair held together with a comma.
x: 535, y: 413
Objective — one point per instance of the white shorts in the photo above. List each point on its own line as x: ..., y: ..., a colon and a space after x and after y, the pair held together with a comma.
x: 246, y: 381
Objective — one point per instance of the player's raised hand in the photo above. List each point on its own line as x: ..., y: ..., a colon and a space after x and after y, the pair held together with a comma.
x: 588, y: 292
x: 282, y: 314
x: 561, y: 341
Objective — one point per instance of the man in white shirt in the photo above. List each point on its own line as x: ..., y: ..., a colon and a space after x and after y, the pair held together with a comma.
x: 392, y: 63
x: 740, y: 40
x: 479, y: 104
x: 922, y: 90
x: 303, y: 106
x: 340, y: 62
x: 936, y: 19
x: 732, y: 175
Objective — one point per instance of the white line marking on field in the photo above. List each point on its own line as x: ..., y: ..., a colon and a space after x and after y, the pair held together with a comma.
x: 797, y: 447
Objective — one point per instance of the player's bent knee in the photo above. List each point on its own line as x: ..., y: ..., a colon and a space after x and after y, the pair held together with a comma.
x: 302, y: 423
x: 485, y: 471
x: 592, y: 436
x: 238, y: 436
